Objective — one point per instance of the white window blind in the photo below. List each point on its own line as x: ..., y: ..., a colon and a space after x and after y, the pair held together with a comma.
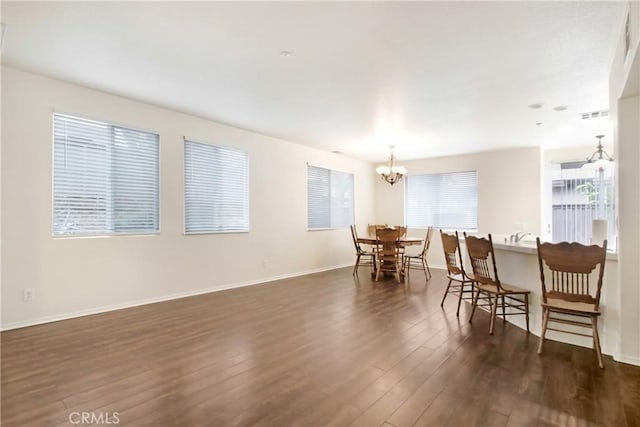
x: 442, y: 200
x: 216, y: 188
x: 105, y: 178
x: 329, y: 198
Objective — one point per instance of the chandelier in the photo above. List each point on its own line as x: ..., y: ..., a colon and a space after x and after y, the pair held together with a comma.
x: 600, y: 159
x: 391, y: 173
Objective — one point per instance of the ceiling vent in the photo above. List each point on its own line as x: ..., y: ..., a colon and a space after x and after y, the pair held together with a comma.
x: 594, y: 114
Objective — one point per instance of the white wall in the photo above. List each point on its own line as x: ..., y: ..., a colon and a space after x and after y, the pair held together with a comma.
x: 629, y: 227
x: 73, y: 276
x: 624, y: 96
x: 509, y: 197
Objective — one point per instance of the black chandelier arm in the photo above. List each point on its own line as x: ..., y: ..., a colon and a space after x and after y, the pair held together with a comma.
x: 608, y: 157
x: 599, y: 152
x: 392, y: 178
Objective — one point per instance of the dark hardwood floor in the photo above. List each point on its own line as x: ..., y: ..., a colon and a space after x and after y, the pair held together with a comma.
x: 323, y: 349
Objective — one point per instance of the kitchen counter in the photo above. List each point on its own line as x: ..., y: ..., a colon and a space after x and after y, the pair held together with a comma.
x: 528, y: 246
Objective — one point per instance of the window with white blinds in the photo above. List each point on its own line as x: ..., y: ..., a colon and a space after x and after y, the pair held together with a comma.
x: 216, y: 189
x: 442, y: 200
x: 105, y: 178
x: 329, y: 198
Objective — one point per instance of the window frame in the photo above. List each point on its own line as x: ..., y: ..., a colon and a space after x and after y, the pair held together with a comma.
x: 184, y: 188
x: 353, y: 202
x: 158, y: 184
x: 440, y: 226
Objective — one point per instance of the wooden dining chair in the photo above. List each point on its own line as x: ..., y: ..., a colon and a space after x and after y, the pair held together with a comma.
x: 363, y: 257
x: 486, y: 282
x: 403, y: 233
x: 567, y: 271
x: 419, y: 261
x: 402, y: 229
x: 372, y: 228
x: 388, y: 254
x: 459, y: 283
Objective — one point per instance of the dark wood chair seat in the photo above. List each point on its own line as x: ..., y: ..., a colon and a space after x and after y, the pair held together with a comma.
x: 503, y: 289
x: 459, y: 277
x: 569, y: 307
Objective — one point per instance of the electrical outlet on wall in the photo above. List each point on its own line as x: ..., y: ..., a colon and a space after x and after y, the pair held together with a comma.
x: 28, y: 294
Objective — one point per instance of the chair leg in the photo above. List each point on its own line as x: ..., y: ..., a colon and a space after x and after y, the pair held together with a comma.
x: 504, y: 314
x: 545, y: 321
x: 474, y: 303
x: 379, y: 268
x: 596, y: 340
x: 355, y: 267
x: 426, y: 265
x: 460, y: 298
x: 526, y: 310
x: 494, y: 307
x: 445, y: 293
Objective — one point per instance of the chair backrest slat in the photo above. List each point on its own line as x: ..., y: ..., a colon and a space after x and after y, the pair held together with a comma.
x: 452, y: 253
x: 452, y: 263
x: 481, y: 270
x: 372, y: 228
x: 570, y: 267
x: 427, y: 242
x: 482, y: 260
x: 354, y: 236
x: 402, y: 229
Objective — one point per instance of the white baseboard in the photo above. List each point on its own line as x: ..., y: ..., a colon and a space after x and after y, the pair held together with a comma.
x: 104, y: 309
x: 631, y: 360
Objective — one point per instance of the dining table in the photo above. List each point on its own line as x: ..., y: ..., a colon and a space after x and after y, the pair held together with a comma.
x: 401, y: 243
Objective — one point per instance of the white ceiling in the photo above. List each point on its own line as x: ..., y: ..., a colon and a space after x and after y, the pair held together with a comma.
x: 431, y: 78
